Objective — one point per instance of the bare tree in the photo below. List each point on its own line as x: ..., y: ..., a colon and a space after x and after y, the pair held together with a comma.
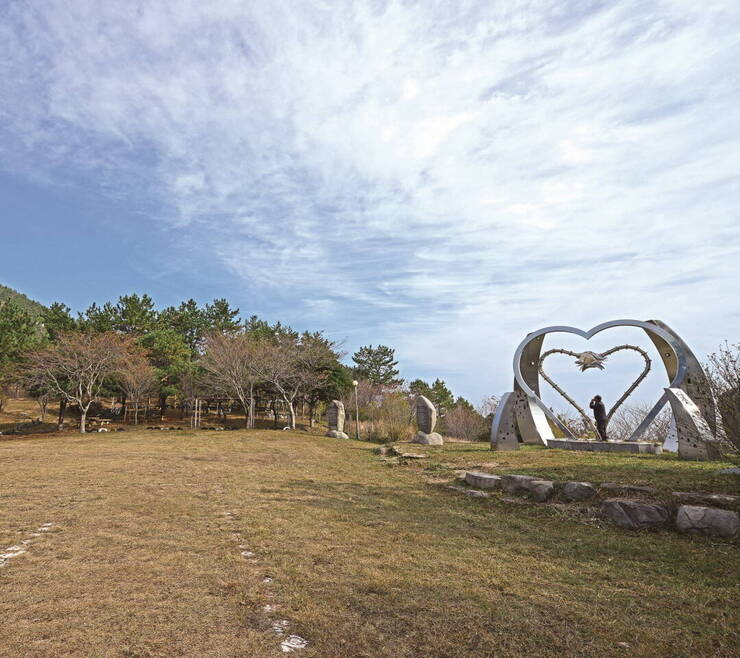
x: 136, y: 377
x: 628, y: 418
x: 293, y: 365
x: 464, y: 422
x: 42, y: 399
x: 723, y: 371
x: 488, y: 406
x: 573, y: 422
x: 77, y: 365
x: 230, y: 363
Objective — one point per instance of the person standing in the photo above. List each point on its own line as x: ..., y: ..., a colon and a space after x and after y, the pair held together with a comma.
x: 600, y: 416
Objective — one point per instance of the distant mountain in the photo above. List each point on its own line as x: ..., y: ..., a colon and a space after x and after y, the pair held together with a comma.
x: 19, y: 298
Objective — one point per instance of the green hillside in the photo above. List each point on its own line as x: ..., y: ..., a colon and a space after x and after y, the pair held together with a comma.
x: 21, y: 300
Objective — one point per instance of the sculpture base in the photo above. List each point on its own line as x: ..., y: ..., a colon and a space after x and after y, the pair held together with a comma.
x: 334, y: 434
x: 641, y: 447
x: 431, y: 439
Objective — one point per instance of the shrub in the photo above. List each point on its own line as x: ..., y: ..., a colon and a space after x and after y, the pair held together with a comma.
x: 723, y: 371
x: 466, y: 423
x: 390, y: 418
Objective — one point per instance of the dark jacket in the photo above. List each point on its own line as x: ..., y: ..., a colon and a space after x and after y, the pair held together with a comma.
x: 599, y: 409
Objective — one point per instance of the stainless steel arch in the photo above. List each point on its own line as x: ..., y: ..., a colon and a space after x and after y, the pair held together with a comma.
x: 695, y: 383
x: 526, y: 359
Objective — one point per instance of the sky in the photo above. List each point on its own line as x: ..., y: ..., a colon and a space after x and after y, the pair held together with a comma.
x: 441, y: 177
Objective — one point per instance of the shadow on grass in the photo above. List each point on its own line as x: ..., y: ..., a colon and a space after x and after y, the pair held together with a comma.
x: 525, y: 529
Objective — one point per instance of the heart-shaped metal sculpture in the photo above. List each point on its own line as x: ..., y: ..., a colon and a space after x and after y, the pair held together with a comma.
x: 522, y: 416
x: 587, y: 360
x: 527, y: 358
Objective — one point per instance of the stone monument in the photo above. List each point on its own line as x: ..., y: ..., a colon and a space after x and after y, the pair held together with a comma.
x: 335, y: 420
x: 426, y: 418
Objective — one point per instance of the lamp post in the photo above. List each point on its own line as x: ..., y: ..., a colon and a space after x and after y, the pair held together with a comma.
x: 357, y: 411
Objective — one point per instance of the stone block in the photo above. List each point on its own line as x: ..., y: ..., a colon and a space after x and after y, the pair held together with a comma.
x: 707, y: 520
x: 634, y: 515
x: 516, y: 483
x: 428, y: 439
x: 483, y: 480
x: 578, y: 491
x: 541, y: 490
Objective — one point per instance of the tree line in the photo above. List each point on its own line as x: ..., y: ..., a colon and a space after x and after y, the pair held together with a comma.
x: 133, y: 351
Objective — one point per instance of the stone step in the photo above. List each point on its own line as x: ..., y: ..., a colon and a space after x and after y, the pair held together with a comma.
x: 707, y: 520
x: 516, y: 483
x: 634, y: 515
x: 481, y: 480
x: 716, y: 500
x: 640, y: 447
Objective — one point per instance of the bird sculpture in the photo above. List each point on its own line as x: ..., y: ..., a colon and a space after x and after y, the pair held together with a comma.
x: 589, y: 359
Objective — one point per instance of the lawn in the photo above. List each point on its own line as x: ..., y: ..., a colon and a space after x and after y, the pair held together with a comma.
x: 666, y: 473
x: 366, y: 558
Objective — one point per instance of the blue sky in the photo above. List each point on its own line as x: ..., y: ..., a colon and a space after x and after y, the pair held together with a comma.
x: 440, y: 177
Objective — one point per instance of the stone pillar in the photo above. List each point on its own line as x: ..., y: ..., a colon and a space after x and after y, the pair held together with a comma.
x: 335, y: 420
x: 426, y: 418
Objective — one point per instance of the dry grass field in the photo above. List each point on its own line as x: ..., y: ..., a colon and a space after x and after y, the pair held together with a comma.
x: 366, y: 558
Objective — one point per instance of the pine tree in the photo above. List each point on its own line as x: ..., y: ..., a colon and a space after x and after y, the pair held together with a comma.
x: 377, y: 365
x: 58, y: 320
x: 221, y: 317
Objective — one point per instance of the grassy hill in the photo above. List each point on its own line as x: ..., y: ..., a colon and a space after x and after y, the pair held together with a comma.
x: 19, y: 298
x: 203, y: 543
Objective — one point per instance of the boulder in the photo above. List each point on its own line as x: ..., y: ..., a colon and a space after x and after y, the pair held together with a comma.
x: 578, y: 491
x: 708, y: 500
x: 541, y: 490
x: 335, y: 434
x: 734, y: 470
x: 516, y: 483
x: 634, y: 515
x: 707, y: 520
x: 483, y: 480
x: 428, y: 439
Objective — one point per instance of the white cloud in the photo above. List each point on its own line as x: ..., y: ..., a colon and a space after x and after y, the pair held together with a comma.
x: 410, y: 89
x: 407, y: 172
